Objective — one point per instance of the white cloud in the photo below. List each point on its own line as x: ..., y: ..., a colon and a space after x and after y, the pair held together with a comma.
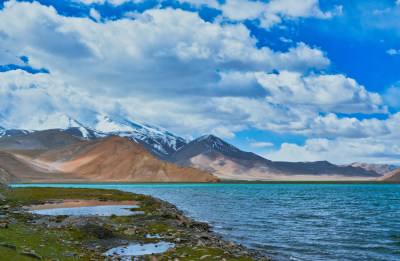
x: 101, y: 2
x: 35, y: 100
x: 169, y: 51
x: 273, y: 12
x: 393, y: 52
x: 391, y: 95
x: 171, y: 68
x: 95, y: 15
x: 261, y: 144
x: 328, y: 92
x: 379, y: 147
x: 269, y: 14
x: 340, y: 151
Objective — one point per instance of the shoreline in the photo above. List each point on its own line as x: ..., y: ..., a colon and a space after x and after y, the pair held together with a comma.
x: 221, y: 182
x: 192, y: 240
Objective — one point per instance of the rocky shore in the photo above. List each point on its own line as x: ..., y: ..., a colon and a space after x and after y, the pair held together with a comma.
x: 27, y: 236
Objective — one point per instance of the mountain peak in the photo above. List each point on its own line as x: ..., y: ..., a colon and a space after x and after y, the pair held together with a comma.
x: 208, y: 137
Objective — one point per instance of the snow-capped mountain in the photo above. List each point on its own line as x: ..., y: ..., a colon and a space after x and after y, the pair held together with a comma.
x: 158, y: 141
x: 9, y: 133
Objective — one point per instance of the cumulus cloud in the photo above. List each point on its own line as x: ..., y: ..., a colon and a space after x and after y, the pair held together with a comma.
x: 379, y: 147
x: 340, y: 151
x: 328, y: 92
x: 172, y: 68
x: 268, y: 13
x: 170, y: 51
x: 33, y: 99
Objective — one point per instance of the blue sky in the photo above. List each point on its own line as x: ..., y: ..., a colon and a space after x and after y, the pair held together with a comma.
x: 290, y: 80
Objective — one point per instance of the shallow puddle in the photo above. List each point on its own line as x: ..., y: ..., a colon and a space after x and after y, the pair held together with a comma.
x: 85, y: 207
x: 126, y: 252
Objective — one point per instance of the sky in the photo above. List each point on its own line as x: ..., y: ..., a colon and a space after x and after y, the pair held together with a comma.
x: 289, y: 80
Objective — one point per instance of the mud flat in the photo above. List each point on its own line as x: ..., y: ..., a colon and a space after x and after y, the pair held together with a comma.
x: 153, y: 230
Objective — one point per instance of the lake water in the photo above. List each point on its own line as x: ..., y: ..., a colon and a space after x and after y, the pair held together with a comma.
x: 292, y: 221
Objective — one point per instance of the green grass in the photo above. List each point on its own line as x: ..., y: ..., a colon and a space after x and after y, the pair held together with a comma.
x: 45, y: 242
x: 36, y: 195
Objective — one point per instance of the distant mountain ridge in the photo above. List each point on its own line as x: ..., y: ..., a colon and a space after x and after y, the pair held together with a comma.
x: 212, y: 154
x: 378, y: 168
x: 208, y: 153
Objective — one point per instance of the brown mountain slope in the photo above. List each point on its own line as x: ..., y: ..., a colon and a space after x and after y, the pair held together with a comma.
x: 392, y: 176
x: 39, y: 140
x: 119, y: 159
x: 19, y: 168
x: 381, y: 169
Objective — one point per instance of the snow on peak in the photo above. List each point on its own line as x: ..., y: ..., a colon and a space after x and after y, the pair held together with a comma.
x: 105, y: 124
x: 44, y: 122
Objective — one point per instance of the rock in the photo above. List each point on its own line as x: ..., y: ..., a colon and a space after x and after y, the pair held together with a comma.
x: 204, y: 257
x: 70, y: 254
x: 174, y: 256
x: 96, y: 230
x: 178, y: 240
x: 170, y: 249
x: 231, y: 244
x: 31, y: 254
x: 8, y: 245
x: 130, y: 231
x: 204, y: 235
x: 3, y: 225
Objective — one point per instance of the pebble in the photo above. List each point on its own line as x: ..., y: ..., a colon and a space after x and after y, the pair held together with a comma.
x: 31, y: 254
x: 8, y: 245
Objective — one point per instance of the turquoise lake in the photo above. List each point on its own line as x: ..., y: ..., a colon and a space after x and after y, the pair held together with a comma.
x: 291, y: 221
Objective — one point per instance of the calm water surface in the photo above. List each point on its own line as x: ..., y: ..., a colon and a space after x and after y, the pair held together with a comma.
x: 292, y: 221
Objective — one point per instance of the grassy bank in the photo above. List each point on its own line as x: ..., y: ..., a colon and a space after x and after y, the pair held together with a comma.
x: 27, y: 236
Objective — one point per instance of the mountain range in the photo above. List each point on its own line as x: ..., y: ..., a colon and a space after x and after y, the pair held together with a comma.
x: 76, y: 149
